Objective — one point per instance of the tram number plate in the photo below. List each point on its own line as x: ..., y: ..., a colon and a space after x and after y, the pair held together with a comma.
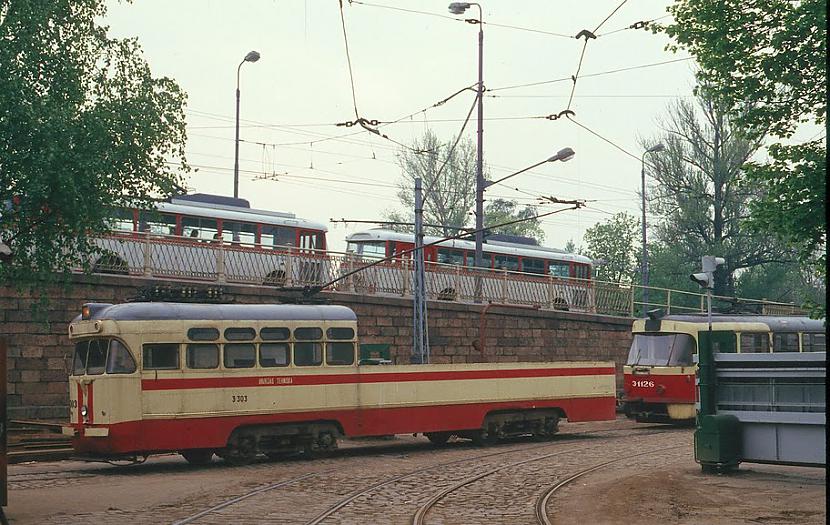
x: 239, y: 398
x: 73, y: 403
x: 642, y: 383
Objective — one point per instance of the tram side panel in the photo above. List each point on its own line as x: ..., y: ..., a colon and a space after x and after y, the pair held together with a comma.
x: 179, y: 413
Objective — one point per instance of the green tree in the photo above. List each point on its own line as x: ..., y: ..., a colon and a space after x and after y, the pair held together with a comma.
x: 449, y: 193
x: 766, y: 60
x: 499, y: 211
x: 84, y: 128
x: 614, y: 242
x: 696, y: 193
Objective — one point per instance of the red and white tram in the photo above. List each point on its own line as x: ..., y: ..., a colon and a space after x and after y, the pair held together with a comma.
x: 659, y: 373
x: 203, y: 236
x: 537, y: 274
x: 240, y: 380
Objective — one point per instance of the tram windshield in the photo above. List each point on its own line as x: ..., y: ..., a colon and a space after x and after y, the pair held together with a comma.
x: 370, y: 249
x: 661, y: 350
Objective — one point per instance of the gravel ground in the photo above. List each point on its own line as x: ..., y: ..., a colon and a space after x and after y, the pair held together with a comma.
x: 665, y: 488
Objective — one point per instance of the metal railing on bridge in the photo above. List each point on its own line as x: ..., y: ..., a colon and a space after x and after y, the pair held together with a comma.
x: 221, y: 262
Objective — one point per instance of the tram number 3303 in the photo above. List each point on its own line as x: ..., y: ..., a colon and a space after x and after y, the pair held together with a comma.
x: 642, y: 384
x: 239, y: 399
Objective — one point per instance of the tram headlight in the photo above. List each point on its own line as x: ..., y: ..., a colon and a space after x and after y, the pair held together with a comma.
x: 84, y: 411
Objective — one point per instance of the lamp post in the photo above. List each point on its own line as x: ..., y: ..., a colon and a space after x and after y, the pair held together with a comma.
x: 458, y: 8
x: 654, y: 149
x: 564, y: 154
x: 252, y: 56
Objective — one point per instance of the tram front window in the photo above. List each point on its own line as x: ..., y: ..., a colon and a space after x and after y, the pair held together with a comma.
x: 661, y: 350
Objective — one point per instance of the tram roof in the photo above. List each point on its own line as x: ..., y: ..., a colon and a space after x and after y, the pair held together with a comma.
x: 221, y: 312
x: 775, y: 323
x: 493, y: 246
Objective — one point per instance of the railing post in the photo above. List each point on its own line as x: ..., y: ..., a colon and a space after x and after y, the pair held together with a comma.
x: 631, y: 304
x: 702, y: 303
x: 503, y: 286
x: 148, y: 258
x: 289, y: 268
x: 550, y: 292
x: 668, y: 302
x: 220, y: 262
x: 406, y: 268
x: 456, y: 277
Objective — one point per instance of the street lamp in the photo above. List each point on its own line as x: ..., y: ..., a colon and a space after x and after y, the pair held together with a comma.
x: 654, y: 149
x: 458, y: 8
x: 564, y: 154
x: 252, y: 56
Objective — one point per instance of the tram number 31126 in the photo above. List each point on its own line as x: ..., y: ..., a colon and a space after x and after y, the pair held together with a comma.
x: 642, y: 383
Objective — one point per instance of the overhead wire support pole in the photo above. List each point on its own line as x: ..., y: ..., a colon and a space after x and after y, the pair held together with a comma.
x: 458, y: 8
x: 420, y: 340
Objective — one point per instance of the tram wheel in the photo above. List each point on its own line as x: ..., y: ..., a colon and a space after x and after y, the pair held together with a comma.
x: 483, y: 438
x: 438, y: 438
x: 199, y: 456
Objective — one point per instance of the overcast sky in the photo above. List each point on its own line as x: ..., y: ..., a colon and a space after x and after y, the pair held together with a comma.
x: 404, y: 62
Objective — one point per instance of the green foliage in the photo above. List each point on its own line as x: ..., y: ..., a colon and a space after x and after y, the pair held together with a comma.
x: 615, y: 241
x: 696, y: 196
x: 781, y: 282
x: 500, y: 211
x: 451, y: 192
x: 84, y: 128
x: 766, y: 59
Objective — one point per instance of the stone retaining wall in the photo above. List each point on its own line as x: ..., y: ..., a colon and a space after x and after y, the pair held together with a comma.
x: 39, y: 351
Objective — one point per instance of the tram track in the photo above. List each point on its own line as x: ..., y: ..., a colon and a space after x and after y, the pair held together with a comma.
x: 355, y: 495
x: 540, y: 509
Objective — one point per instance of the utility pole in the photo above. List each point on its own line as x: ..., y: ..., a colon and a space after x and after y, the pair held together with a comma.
x: 420, y: 331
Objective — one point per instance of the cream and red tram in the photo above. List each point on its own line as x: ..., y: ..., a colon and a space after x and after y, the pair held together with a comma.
x: 659, y: 374
x: 239, y: 380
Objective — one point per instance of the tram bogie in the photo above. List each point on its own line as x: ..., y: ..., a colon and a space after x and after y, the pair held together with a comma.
x: 241, y: 381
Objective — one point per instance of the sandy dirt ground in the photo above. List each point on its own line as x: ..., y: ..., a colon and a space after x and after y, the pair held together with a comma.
x: 680, y: 493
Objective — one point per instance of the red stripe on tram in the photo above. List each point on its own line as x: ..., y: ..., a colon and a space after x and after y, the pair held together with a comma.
x: 358, y: 378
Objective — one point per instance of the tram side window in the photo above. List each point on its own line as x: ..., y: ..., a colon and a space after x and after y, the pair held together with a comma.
x: 274, y: 334
x: 203, y: 334
x: 273, y: 236
x: 754, y: 343
x: 507, y: 262
x: 813, y: 342
x: 343, y: 333
x: 582, y: 271
x: 243, y: 232
x: 274, y: 354
x: 119, y: 359
x: 200, y: 228
x: 240, y: 355
x: 157, y: 223
x: 371, y: 249
x: 160, y: 356
x: 455, y: 257
x: 202, y: 355
x: 121, y: 220
x: 785, y: 342
x: 340, y: 353
x: 310, y: 240
x: 239, y: 334
x: 530, y: 265
x: 559, y: 269
x: 308, y: 352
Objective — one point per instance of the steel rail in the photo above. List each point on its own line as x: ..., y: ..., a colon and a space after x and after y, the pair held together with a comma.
x: 357, y: 494
x: 542, y: 501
